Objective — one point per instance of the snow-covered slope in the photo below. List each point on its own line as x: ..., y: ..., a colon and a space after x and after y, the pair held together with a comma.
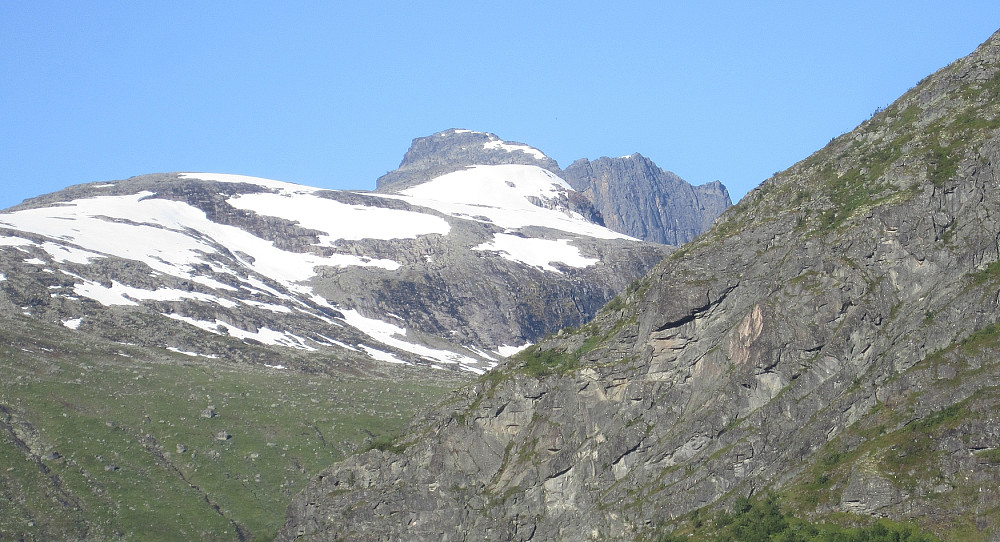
x: 510, y: 196
x: 449, y: 273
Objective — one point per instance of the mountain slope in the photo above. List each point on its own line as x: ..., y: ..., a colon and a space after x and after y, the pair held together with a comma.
x: 835, y: 335
x: 639, y: 199
x: 101, y: 440
x: 202, y: 259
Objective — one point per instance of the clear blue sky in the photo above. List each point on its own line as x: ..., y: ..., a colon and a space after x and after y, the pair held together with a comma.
x: 331, y: 93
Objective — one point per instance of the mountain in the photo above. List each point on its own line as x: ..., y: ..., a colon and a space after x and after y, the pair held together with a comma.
x: 833, y: 340
x: 629, y: 195
x: 639, y: 199
x: 181, y: 352
x: 192, y: 261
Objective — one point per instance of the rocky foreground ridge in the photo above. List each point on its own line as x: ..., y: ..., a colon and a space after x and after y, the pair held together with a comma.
x: 833, y: 338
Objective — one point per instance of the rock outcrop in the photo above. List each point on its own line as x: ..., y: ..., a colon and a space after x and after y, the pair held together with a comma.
x: 639, y: 199
x: 835, y: 335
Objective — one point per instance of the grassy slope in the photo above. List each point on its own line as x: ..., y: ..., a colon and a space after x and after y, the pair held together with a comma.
x: 136, y: 458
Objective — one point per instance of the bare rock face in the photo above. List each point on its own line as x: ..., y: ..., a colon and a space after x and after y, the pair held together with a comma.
x: 639, y: 199
x: 835, y: 336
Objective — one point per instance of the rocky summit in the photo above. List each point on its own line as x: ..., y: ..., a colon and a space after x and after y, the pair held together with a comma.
x: 456, y: 149
x: 833, y: 340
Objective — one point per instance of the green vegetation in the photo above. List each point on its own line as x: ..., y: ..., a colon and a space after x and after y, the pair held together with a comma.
x: 990, y: 274
x: 899, y: 442
x: 992, y: 455
x: 538, y: 362
x: 943, y: 162
x: 763, y: 520
x: 386, y: 443
x: 104, y: 441
x: 856, y: 188
x: 987, y: 337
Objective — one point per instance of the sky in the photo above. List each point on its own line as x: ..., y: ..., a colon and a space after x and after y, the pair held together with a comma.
x: 331, y: 93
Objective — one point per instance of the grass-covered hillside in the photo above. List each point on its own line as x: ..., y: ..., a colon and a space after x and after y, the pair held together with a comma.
x: 102, y: 440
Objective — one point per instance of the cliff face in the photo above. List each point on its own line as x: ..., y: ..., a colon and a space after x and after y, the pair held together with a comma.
x: 834, y: 336
x: 639, y: 199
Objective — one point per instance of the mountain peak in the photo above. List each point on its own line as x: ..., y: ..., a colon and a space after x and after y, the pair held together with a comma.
x: 638, y: 198
x: 455, y: 149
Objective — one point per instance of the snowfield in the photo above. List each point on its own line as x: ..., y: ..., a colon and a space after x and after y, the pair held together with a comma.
x: 539, y: 253
x: 503, y: 195
x: 341, y: 221
x: 158, y: 232
x: 175, y: 239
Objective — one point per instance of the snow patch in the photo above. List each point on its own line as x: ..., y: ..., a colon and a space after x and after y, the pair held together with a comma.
x: 266, y: 306
x: 379, y: 355
x: 207, y: 326
x: 264, y: 335
x: 269, y: 336
x: 507, y: 351
x: 192, y: 354
x: 504, y: 195
x: 6, y: 241
x: 539, y: 253
x: 509, y: 147
x: 158, y: 232
x: 392, y: 335
x: 72, y: 323
x: 120, y: 294
x: 376, y: 329
x: 34, y: 261
x: 115, y: 295
x: 481, y: 353
x: 63, y: 253
x: 281, y: 186
x: 340, y: 220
